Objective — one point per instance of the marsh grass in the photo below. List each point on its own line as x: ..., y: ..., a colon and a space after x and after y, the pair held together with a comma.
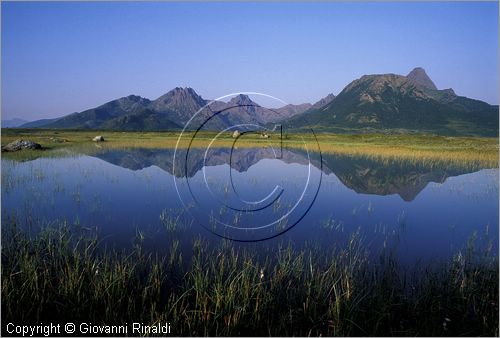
x: 430, y: 150
x: 64, y: 273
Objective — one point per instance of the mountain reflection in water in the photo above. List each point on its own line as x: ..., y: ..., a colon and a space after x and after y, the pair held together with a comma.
x: 361, y: 174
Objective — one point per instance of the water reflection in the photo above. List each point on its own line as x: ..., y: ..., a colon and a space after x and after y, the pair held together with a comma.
x: 361, y: 174
x: 430, y: 212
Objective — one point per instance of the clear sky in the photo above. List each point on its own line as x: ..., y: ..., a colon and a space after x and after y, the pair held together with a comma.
x: 58, y: 58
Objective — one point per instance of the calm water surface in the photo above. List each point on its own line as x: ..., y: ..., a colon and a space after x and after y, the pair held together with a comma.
x: 423, y: 213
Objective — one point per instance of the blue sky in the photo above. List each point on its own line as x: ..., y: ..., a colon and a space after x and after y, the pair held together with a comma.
x: 58, y: 58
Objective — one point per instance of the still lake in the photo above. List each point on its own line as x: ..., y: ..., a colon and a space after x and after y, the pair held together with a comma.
x: 422, y: 213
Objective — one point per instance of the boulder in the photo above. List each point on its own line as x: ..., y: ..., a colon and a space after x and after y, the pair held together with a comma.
x: 236, y: 134
x: 59, y: 140
x: 20, y: 145
x: 98, y: 139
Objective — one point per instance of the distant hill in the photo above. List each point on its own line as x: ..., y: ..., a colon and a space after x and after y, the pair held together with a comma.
x: 13, y: 123
x: 397, y: 103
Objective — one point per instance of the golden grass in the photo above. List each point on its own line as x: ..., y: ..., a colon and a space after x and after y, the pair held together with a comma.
x: 429, y: 150
x: 484, y: 158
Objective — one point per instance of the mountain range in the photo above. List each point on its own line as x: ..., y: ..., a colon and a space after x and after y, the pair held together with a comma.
x: 388, y: 103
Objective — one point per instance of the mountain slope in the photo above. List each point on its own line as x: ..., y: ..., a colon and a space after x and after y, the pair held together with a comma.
x: 94, y: 118
x: 144, y: 119
x: 396, y: 103
x: 38, y: 123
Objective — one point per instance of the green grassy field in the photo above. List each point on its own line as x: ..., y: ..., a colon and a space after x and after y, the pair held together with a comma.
x: 432, y: 149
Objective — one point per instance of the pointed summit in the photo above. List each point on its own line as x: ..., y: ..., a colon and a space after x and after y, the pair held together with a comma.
x: 420, y: 77
x: 179, y: 99
x: 242, y: 100
x: 324, y: 101
x: 178, y: 95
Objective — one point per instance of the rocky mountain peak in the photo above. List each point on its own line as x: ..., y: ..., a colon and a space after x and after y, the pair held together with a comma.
x: 420, y: 77
x: 324, y: 101
x: 132, y: 97
x: 242, y: 100
x: 180, y: 95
